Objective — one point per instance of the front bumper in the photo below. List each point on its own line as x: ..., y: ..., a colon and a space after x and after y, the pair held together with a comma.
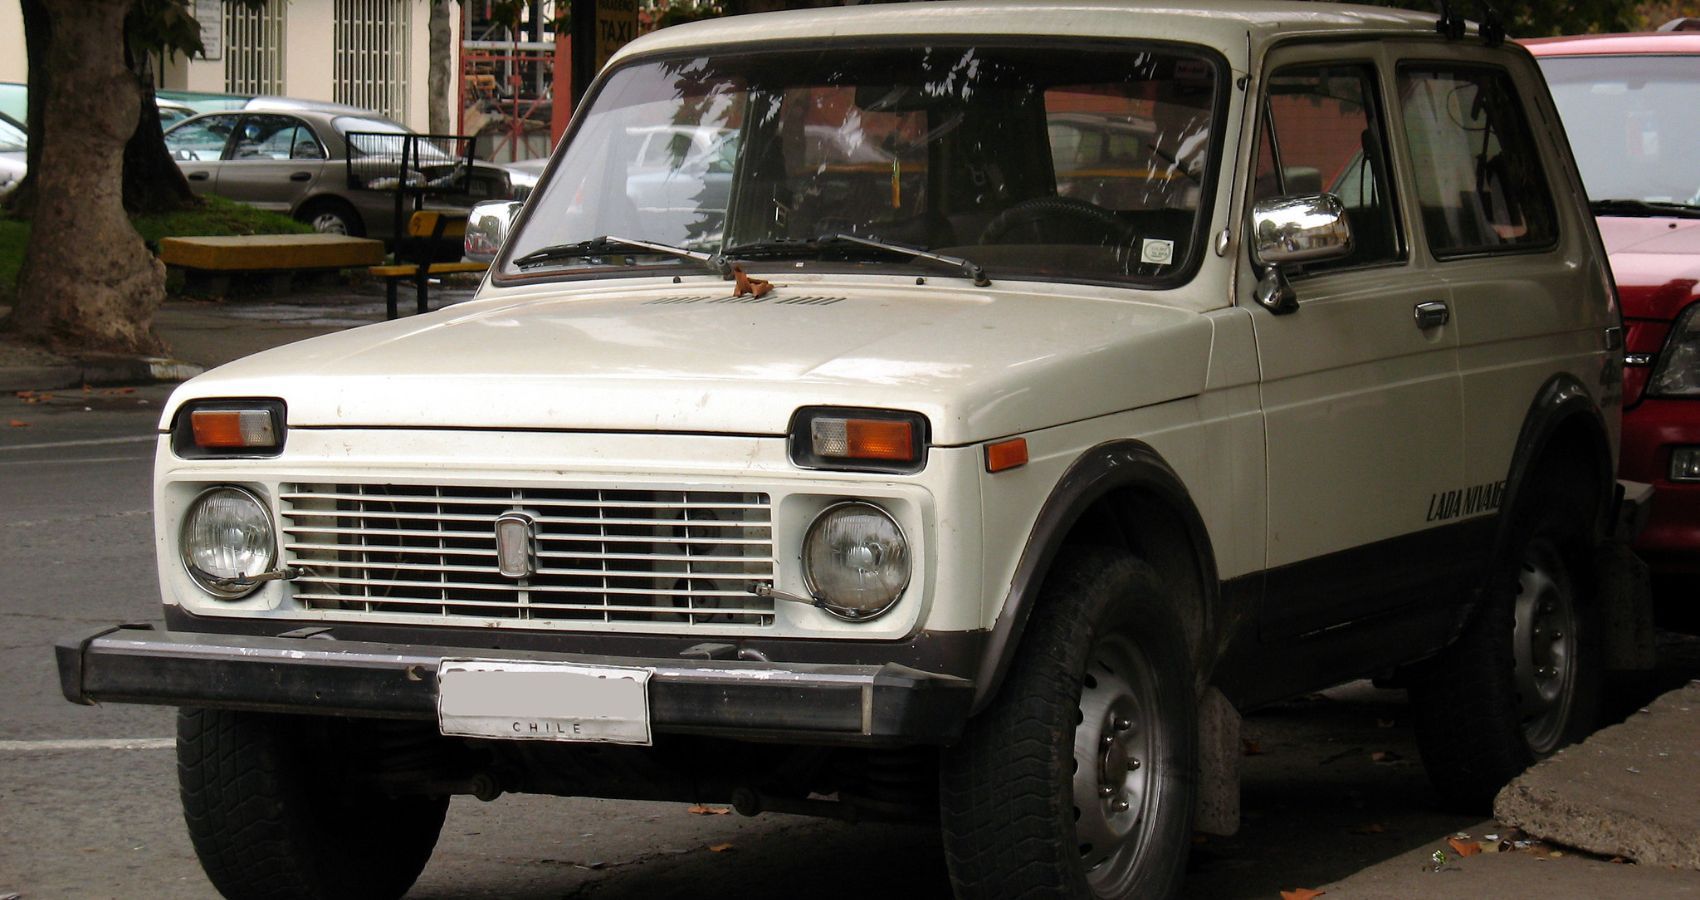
x: 805, y: 702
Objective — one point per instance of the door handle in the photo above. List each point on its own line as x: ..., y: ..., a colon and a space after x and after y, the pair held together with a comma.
x: 1432, y: 314
x: 301, y: 176
x: 199, y: 176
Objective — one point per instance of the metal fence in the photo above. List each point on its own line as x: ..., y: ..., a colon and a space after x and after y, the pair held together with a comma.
x: 370, y: 65
x: 253, y: 48
x: 412, y: 166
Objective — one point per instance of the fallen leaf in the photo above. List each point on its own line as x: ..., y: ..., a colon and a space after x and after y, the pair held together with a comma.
x: 1251, y: 747
x: 1556, y: 854
x: 1618, y: 860
x: 18, y: 423
x: 720, y: 848
x: 1371, y: 828
x: 1464, y: 848
x: 700, y: 810
x: 1301, y: 894
x: 23, y: 395
x: 1385, y: 756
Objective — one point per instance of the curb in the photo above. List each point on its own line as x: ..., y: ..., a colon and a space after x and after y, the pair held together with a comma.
x: 97, y: 370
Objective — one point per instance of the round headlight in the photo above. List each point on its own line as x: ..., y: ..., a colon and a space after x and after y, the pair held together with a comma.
x: 227, y: 538
x: 855, y: 560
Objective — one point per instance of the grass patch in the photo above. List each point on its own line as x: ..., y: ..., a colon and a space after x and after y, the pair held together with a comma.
x: 217, y: 216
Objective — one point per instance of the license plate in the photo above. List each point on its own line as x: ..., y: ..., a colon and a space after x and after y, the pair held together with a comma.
x: 543, y: 701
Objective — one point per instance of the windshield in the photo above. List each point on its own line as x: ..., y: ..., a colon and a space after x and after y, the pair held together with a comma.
x: 1632, y: 123
x: 1069, y: 163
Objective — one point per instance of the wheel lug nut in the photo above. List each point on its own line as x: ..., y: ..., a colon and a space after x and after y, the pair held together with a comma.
x: 1133, y: 765
x: 1557, y: 635
x: 1107, y: 740
x: 1119, y: 805
x: 1123, y: 724
x: 1106, y: 791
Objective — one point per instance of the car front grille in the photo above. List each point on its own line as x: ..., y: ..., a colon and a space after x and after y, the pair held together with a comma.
x: 594, y: 555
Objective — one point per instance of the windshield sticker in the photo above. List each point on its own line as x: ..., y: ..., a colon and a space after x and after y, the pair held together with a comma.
x: 1160, y: 252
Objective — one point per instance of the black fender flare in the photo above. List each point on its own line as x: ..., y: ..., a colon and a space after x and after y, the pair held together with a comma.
x: 1107, y: 467
x: 1560, y: 401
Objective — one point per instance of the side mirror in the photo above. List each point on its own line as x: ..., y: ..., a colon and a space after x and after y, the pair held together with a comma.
x: 487, y: 227
x: 1293, y: 231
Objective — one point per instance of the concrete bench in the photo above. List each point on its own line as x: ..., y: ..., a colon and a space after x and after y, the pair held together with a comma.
x: 215, y: 259
x: 425, y: 230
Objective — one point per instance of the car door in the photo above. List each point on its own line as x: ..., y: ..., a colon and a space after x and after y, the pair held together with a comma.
x: 274, y: 163
x: 198, y: 147
x: 1362, y: 401
x: 1509, y: 245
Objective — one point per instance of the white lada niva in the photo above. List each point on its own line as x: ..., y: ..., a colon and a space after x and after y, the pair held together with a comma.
x: 956, y: 410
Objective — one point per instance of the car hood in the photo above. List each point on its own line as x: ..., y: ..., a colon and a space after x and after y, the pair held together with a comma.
x: 1655, y: 261
x: 689, y: 358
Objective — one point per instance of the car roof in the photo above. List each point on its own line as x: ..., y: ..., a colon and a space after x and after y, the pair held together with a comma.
x: 1226, y: 24
x: 1664, y: 42
x: 296, y: 104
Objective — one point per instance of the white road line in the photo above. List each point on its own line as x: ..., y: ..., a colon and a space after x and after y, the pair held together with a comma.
x: 74, y: 461
x: 88, y: 744
x: 91, y: 442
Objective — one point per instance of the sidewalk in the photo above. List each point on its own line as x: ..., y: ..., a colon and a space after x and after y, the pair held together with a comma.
x: 201, y: 334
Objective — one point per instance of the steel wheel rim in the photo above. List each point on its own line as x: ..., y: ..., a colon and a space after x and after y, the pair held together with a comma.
x: 1119, y: 743
x: 1544, y: 642
x: 329, y: 223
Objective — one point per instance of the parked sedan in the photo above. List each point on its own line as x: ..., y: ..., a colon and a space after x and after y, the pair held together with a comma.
x: 295, y: 160
x: 13, y: 148
x: 1630, y: 101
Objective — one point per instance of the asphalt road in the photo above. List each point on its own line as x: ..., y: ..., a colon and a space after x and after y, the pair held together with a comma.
x: 88, y: 802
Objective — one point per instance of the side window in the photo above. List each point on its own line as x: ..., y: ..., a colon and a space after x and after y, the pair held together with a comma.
x: 201, y: 141
x: 304, y: 145
x: 1478, y: 175
x: 265, y: 137
x: 1322, y: 132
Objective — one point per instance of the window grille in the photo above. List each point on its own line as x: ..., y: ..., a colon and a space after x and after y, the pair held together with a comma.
x: 253, y: 48
x: 371, y: 55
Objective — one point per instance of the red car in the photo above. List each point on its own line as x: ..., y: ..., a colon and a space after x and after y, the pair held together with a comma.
x: 1631, y: 105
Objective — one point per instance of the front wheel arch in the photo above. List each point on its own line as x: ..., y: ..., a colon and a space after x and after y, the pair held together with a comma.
x: 1121, y: 495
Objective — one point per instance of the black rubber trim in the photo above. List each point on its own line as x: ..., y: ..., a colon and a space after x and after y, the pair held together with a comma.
x: 811, y: 703
x: 1560, y: 400
x: 1100, y: 470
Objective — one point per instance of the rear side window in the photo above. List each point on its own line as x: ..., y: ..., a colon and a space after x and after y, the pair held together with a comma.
x: 1478, y: 175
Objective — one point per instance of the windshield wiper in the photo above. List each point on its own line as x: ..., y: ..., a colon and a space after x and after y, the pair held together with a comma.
x: 609, y: 243
x: 783, y: 249
x: 1625, y: 207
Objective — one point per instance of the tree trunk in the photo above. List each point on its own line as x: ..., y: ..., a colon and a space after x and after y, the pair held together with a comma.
x: 87, y: 281
x: 441, y: 72
x: 152, y: 181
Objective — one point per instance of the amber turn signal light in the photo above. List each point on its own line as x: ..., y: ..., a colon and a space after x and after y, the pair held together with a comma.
x: 873, y: 439
x: 219, y: 428
x: 1008, y: 454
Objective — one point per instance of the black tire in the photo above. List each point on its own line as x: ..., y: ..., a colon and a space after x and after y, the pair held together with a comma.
x: 1015, y: 823
x: 329, y: 215
x: 1524, y: 678
x: 270, y: 817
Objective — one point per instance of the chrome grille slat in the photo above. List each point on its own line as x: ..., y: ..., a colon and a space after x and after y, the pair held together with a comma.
x: 530, y: 501
x: 678, y: 558
x: 541, y: 520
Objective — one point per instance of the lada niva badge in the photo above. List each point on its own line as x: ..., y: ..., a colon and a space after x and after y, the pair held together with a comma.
x: 516, y: 533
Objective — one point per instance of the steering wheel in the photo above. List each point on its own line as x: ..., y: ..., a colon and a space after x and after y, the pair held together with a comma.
x: 1057, y: 220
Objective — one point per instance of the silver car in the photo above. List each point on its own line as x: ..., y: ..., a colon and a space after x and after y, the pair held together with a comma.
x: 294, y: 160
